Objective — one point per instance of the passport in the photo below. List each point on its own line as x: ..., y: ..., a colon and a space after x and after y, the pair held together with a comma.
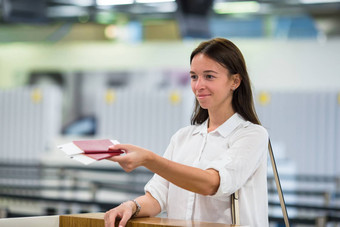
x: 88, y: 151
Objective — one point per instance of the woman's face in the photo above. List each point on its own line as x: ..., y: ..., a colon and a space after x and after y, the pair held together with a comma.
x: 211, y: 83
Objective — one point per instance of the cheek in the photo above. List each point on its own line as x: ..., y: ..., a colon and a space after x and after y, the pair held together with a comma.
x: 193, y: 86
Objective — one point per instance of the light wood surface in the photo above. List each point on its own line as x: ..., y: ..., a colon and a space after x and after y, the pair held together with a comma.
x: 97, y: 220
x: 45, y: 221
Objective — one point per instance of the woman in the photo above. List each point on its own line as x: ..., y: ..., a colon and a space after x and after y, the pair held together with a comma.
x: 223, y: 151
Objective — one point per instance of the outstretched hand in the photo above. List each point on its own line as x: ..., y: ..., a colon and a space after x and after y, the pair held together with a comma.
x: 123, y: 212
x: 134, y: 156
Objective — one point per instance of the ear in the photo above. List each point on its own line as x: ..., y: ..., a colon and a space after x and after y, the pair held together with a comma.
x: 236, y: 79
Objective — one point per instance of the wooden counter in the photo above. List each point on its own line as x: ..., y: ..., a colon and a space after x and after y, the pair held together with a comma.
x: 97, y: 220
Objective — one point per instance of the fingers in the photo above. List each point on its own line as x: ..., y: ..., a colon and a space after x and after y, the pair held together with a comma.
x: 127, y: 166
x: 125, y: 162
x: 117, y: 158
x: 124, y: 220
x: 135, y: 156
x: 123, y: 212
x: 110, y: 218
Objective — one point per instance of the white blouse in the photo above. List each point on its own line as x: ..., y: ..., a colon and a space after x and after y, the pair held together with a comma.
x: 238, y: 151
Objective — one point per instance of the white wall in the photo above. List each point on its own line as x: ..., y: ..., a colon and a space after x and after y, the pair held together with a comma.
x: 293, y: 65
x: 273, y: 64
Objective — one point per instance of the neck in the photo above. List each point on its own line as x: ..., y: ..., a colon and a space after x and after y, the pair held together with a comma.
x: 218, y: 118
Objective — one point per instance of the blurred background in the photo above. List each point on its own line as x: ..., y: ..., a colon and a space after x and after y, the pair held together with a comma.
x: 118, y: 69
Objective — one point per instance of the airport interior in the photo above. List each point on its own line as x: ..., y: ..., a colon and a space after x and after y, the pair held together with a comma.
x: 119, y: 69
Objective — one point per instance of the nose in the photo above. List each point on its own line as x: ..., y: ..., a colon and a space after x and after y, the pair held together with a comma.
x: 199, y: 83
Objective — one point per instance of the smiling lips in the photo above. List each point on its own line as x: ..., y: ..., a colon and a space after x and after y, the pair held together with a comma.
x: 202, y: 96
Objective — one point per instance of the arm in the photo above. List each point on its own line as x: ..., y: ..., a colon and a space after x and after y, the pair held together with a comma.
x: 205, y: 182
x: 149, y: 207
x: 246, y: 153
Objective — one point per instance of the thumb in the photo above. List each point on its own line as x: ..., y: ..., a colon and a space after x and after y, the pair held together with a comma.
x: 124, y: 147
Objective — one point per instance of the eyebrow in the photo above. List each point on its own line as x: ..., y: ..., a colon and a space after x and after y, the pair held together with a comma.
x: 206, y: 71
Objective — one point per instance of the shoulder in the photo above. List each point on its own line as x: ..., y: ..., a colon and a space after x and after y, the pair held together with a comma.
x: 251, y: 130
x: 252, y: 137
x: 256, y: 129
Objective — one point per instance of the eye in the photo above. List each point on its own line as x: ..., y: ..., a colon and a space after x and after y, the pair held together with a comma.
x: 209, y: 76
x: 193, y: 77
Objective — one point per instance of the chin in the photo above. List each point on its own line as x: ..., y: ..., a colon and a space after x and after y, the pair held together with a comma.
x: 205, y: 107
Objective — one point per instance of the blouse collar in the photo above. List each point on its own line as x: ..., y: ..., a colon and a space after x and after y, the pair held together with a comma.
x: 225, y: 129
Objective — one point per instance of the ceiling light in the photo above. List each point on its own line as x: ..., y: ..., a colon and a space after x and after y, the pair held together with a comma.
x: 236, y: 7
x: 113, y: 2
x: 168, y: 7
x: 66, y: 11
x: 318, y: 1
x: 153, y: 1
x: 84, y: 3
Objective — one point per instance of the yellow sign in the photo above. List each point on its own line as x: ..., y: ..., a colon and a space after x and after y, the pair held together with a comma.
x: 110, y: 96
x: 264, y: 98
x: 36, y: 95
x: 175, y: 97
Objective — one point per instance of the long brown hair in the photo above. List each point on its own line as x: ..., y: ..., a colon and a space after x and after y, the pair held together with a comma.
x: 228, y: 55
